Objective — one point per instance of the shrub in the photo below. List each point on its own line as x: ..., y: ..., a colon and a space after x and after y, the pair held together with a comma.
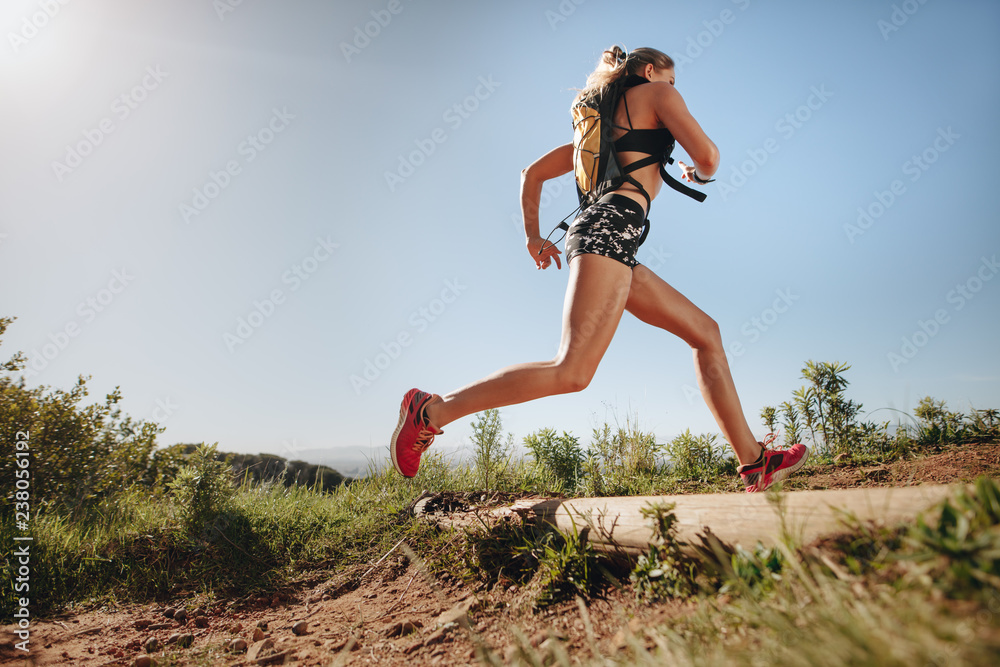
x: 492, y: 452
x: 561, y: 455
x: 203, y: 489
x: 624, y: 461
x: 698, y: 457
x: 88, y: 452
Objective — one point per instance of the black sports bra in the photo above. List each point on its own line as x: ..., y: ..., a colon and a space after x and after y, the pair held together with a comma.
x: 654, y: 141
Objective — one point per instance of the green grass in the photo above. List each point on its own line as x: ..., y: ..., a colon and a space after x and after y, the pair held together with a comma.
x: 928, y: 596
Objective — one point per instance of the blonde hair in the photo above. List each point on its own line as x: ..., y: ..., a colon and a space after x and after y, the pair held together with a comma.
x: 616, y: 63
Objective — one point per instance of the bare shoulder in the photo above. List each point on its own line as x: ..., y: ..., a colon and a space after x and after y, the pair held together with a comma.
x: 661, y: 93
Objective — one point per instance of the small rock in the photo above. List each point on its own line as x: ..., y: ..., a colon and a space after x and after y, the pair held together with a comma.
x: 259, y: 649
x: 172, y: 639
x: 262, y: 625
x: 180, y: 616
x: 238, y: 645
x: 402, y: 628
x: 201, y: 621
x: 185, y: 640
x: 200, y: 611
x: 152, y: 645
x: 142, y: 624
x: 169, y: 612
x: 275, y: 601
x: 258, y: 634
x: 300, y: 628
x: 142, y: 661
x: 236, y: 628
x: 273, y: 658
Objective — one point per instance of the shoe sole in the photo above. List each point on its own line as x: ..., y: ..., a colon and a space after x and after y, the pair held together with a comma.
x: 392, y: 443
x: 783, y: 474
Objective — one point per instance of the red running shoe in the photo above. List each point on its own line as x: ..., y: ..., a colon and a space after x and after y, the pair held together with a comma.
x: 414, y: 434
x: 773, y: 465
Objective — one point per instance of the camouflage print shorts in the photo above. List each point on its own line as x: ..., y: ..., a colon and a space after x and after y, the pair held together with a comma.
x: 611, y: 227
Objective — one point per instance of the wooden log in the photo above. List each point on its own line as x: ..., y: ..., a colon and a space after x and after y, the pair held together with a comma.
x: 737, y: 519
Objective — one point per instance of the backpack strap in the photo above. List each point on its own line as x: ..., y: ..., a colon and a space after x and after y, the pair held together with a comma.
x: 697, y: 195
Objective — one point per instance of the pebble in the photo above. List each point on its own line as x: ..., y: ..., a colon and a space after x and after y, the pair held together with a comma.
x: 169, y: 612
x: 185, y: 640
x: 300, y: 628
x: 201, y: 621
x: 152, y: 645
x: 238, y: 645
x: 142, y: 661
x: 259, y: 649
x: 258, y: 634
x: 180, y: 616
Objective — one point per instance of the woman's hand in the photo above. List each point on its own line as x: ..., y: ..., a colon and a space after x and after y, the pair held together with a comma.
x: 543, y: 258
x: 687, y: 172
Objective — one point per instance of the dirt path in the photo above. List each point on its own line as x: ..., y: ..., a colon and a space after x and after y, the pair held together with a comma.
x: 395, y: 614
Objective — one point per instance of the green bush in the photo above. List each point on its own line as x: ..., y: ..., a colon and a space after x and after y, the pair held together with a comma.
x: 698, y: 457
x: 561, y: 455
x: 203, y: 489
x: 87, y: 452
x: 492, y: 452
x: 663, y: 572
x: 623, y: 461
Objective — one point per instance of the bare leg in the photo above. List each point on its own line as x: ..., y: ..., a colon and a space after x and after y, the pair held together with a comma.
x: 655, y: 302
x: 595, y: 300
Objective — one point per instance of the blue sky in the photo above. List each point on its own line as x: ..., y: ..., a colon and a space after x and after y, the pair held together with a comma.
x: 233, y: 211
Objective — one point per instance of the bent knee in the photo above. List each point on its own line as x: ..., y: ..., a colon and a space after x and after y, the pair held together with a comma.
x: 708, y: 335
x: 573, y: 378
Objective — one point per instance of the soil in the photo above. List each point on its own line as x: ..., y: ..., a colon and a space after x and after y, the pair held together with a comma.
x: 394, y: 612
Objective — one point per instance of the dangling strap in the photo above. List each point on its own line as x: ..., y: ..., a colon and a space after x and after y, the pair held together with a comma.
x: 680, y: 187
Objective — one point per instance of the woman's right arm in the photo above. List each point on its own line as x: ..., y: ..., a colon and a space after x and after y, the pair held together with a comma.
x: 553, y: 164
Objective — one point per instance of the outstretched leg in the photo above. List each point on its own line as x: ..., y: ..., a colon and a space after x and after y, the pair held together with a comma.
x: 595, y: 300
x: 655, y: 302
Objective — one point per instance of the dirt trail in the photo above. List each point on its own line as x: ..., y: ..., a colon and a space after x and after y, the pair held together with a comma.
x: 394, y: 613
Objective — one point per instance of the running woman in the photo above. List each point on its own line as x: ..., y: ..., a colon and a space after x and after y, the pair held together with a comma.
x: 605, y: 280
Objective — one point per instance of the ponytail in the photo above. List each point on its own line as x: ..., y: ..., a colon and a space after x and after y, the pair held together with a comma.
x: 616, y: 63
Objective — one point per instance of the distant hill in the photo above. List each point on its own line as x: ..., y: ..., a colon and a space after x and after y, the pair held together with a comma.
x: 269, y: 467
